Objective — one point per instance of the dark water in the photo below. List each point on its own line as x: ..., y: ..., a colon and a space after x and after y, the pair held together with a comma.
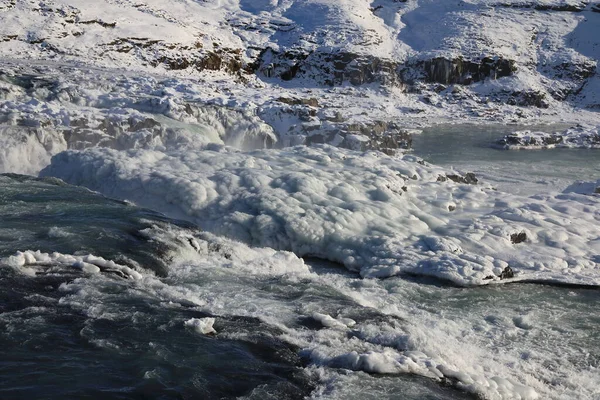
x: 53, y: 349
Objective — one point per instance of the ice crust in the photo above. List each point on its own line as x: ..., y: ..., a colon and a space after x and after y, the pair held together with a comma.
x: 580, y: 136
x: 376, y: 214
x: 27, y: 261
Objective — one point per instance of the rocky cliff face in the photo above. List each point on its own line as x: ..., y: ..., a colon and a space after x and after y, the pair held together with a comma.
x: 465, y: 72
x: 328, y: 69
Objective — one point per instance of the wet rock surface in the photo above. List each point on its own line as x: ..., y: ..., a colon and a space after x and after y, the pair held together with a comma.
x: 463, y: 71
x: 328, y: 69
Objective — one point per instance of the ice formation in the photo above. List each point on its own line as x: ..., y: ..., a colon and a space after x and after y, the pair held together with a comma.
x: 27, y: 261
x: 201, y: 325
x: 376, y: 214
x: 580, y: 136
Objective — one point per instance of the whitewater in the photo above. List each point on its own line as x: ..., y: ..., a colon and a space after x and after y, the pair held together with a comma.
x: 299, y: 199
x: 384, y: 241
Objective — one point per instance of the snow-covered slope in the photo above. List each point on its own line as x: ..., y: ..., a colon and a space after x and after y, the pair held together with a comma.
x: 310, y: 68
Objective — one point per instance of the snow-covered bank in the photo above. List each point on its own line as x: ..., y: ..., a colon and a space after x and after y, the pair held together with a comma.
x: 580, y: 136
x: 196, y: 108
x: 376, y: 214
x: 357, y: 77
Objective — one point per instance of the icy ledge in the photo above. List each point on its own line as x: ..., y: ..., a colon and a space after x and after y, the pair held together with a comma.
x: 376, y: 214
x: 580, y: 136
x: 29, y: 262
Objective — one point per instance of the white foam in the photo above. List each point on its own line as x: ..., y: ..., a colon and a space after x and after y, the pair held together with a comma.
x: 479, y: 346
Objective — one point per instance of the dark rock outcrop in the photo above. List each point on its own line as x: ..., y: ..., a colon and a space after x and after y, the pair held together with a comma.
x: 527, y: 99
x: 517, y: 238
x: 507, y: 273
x: 569, y: 7
x: 469, y: 178
x: 462, y: 71
x: 328, y: 69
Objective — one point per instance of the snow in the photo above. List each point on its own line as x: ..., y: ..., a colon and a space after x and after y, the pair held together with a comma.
x: 376, y: 214
x: 115, y: 95
x: 555, y: 54
x: 580, y: 136
x: 584, y: 187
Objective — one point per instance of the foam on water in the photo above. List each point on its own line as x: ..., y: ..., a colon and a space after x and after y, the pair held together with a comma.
x: 27, y: 261
x: 501, y: 342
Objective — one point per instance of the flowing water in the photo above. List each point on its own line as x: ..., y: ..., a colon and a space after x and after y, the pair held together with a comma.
x: 70, y: 334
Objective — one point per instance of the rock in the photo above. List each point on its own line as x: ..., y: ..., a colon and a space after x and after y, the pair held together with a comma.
x: 458, y: 70
x: 528, y: 99
x: 312, y: 102
x: 580, y: 136
x: 517, y: 238
x: 515, y: 139
x: 507, y: 273
x: 569, y: 7
x: 329, y: 69
x: 469, y: 178
x: 385, y: 136
x: 380, y: 135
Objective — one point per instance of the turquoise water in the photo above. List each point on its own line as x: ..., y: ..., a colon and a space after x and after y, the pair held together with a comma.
x: 56, y: 349
x: 470, y: 148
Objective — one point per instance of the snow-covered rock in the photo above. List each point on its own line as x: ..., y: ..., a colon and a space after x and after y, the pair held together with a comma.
x: 580, y: 136
x: 407, y: 61
x: 378, y: 215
